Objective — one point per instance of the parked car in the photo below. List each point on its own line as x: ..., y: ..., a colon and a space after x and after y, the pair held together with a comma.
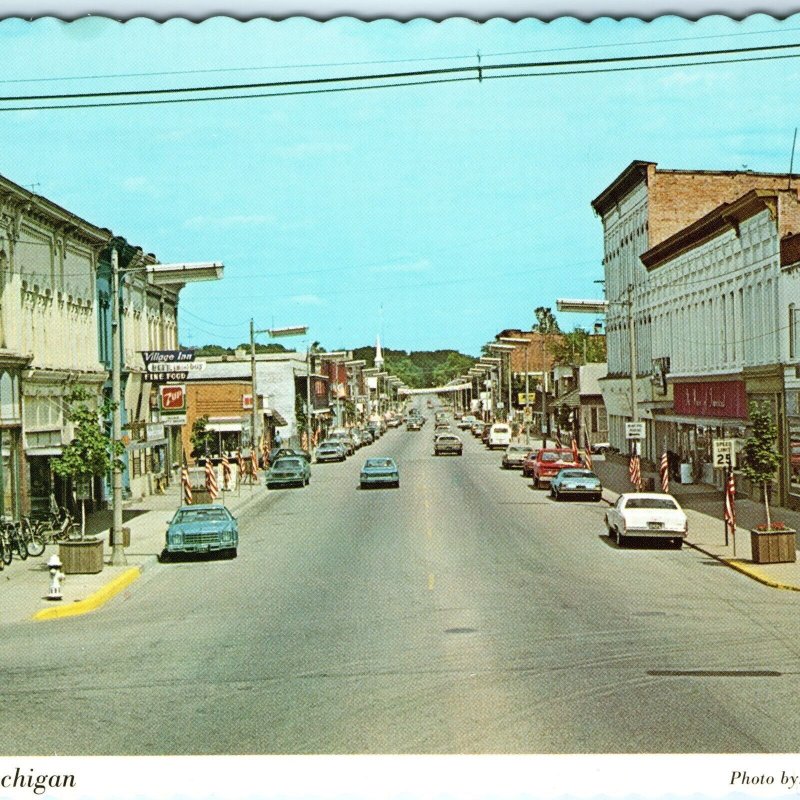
x: 345, y: 438
x: 499, y: 435
x: 414, y: 424
x: 394, y: 422
x: 577, y: 483
x: 330, y: 451
x: 527, y: 463
x: 281, y: 452
x: 380, y: 472
x: 366, y: 435
x: 647, y: 514
x: 514, y: 456
x: 477, y: 429
x: 447, y: 444
x: 549, y: 461
x: 466, y: 422
x: 203, y: 528
x: 288, y: 471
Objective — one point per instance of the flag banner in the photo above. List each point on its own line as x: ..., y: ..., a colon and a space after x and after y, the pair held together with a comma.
x: 558, y: 440
x: 254, y: 464
x: 240, y: 464
x: 186, y: 483
x: 587, y: 451
x: 635, y: 472
x: 575, y: 456
x: 211, y: 480
x: 730, y: 504
x: 664, y: 470
x: 226, y: 472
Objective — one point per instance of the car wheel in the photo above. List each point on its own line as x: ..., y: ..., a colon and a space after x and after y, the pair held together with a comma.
x: 620, y: 538
x: 537, y: 483
x: 362, y: 486
x: 598, y: 498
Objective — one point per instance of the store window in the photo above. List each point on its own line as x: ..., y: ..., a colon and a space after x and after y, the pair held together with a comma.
x: 9, y: 493
x: 793, y: 445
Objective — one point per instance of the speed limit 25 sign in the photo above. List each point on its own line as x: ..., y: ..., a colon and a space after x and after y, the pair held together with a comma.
x: 723, y: 454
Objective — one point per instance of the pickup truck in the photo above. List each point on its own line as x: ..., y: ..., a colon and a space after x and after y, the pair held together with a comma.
x: 549, y: 462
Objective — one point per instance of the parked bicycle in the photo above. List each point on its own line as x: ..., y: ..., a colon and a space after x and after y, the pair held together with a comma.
x: 34, y: 540
x: 57, y: 527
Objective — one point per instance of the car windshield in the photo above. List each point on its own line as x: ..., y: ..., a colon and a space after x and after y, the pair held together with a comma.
x: 651, y: 502
x: 288, y: 463
x: 576, y: 473
x: 202, y: 515
x: 515, y: 449
x: 379, y: 462
x: 561, y: 455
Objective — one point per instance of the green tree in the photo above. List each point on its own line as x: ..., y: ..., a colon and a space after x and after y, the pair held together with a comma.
x: 92, y: 450
x: 578, y: 347
x: 201, y: 437
x: 761, y: 458
x: 545, y: 321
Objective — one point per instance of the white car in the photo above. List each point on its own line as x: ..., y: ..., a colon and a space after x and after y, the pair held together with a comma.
x: 647, y: 515
x: 499, y: 436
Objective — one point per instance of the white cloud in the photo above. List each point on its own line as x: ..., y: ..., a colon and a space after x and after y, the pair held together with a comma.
x: 421, y: 265
x: 137, y: 183
x: 311, y: 149
x: 308, y: 300
x: 230, y: 221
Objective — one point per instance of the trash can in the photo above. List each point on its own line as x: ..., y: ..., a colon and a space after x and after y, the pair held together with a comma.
x: 686, y: 473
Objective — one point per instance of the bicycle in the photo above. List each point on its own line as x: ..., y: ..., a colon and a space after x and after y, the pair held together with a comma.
x: 6, y: 550
x: 58, y: 527
x: 34, y: 540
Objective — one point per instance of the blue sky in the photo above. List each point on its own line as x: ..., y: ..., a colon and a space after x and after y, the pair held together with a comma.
x: 435, y: 215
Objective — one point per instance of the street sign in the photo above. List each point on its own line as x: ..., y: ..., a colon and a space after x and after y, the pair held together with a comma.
x: 723, y: 453
x: 634, y: 430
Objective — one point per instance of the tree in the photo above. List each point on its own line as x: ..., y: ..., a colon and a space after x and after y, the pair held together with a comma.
x: 92, y: 450
x: 545, y: 321
x: 201, y: 437
x: 578, y: 347
x: 761, y: 459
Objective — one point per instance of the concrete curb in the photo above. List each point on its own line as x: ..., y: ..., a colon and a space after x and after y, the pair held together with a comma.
x: 94, y: 600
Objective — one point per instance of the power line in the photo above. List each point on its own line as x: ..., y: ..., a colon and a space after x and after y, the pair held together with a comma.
x: 474, y: 72
x: 369, y: 62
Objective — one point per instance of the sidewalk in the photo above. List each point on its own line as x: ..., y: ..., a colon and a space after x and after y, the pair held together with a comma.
x: 24, y: 584
x: 703, y: 505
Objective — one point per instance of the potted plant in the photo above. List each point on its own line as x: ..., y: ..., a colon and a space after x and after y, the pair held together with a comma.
x: 91, y: 452
x: 770, y: 542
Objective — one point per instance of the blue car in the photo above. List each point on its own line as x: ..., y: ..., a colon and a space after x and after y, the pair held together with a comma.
x: 288, y: 472
x: 576, y: 482
x: 380, y: 472
x: 203, y: 529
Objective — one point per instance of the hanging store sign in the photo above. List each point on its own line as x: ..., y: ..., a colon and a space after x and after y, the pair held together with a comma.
x: 714, y: 399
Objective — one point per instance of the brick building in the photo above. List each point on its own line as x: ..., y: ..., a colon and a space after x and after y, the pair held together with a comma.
x: 641, y: 208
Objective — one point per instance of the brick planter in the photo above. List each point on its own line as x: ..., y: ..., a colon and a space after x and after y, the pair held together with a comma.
x: 81, y: 557
x: 773, y: 547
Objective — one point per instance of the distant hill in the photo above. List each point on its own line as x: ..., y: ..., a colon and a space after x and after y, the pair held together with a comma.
x: 419, y: 368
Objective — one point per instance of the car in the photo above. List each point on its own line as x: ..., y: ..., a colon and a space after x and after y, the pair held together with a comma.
x: 202, y: 528
x: 380, y: 472
x: 292, y: 452
x: 447, y: 443
x: 576, y: 482
x: 394, y: 422
x: 345, y: 438
x: 485, y: 434
x: 649, y: 515
x: 288, y: 471
x: 527, y: 464
x: 549, y: 461
x: 477, y: 429
x: 366, y: 435
x: 466, y: 422
x: 413, y: 424
x: 355, y: 435
x: 330, y: 451
x: 514, y: 455
x: 499, y: 435
x: 441, y: 427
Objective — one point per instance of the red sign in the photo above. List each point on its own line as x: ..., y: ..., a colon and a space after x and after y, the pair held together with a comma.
x: 173, y: 398
x: 719, y: 399
x: 247, y: 401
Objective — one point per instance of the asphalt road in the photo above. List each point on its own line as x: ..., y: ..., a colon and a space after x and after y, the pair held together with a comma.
x: 464, y: 612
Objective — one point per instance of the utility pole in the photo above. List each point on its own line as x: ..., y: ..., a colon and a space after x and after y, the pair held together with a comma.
x: 633, y: 359
x: 308, y: 398
x: 117, y: 550
x: 254, y: 413
x: 544, y: 394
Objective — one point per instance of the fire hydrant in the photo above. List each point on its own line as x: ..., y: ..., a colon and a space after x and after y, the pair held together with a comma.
x: 56, y: 577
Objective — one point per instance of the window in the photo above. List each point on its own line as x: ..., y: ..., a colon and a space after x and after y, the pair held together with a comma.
x: 794, y: 331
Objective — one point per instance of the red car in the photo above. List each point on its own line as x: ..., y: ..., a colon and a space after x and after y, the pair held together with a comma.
x: 527, y: 464
x: 549, y: 462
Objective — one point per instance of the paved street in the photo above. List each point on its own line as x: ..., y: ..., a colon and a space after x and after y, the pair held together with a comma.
x: 464, y: 612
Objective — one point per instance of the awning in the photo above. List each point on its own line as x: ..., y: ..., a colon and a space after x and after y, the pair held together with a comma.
x: 223, y: 427
x: 144, y: 445
x: 707, y: 422
x: 275, y: 416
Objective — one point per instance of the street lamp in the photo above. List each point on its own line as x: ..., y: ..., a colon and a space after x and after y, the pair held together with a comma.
x: 161, y: 275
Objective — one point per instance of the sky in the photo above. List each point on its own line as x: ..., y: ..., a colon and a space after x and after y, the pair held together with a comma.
x: 434, y: 216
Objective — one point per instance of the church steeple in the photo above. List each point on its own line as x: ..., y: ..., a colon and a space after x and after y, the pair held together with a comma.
x: 378, y: 353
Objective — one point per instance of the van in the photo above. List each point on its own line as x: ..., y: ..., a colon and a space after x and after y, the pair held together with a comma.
x: 499, y: 436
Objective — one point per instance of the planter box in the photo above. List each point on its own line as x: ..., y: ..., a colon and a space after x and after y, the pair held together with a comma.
x: 81, y: 557
x: 773, y: 547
